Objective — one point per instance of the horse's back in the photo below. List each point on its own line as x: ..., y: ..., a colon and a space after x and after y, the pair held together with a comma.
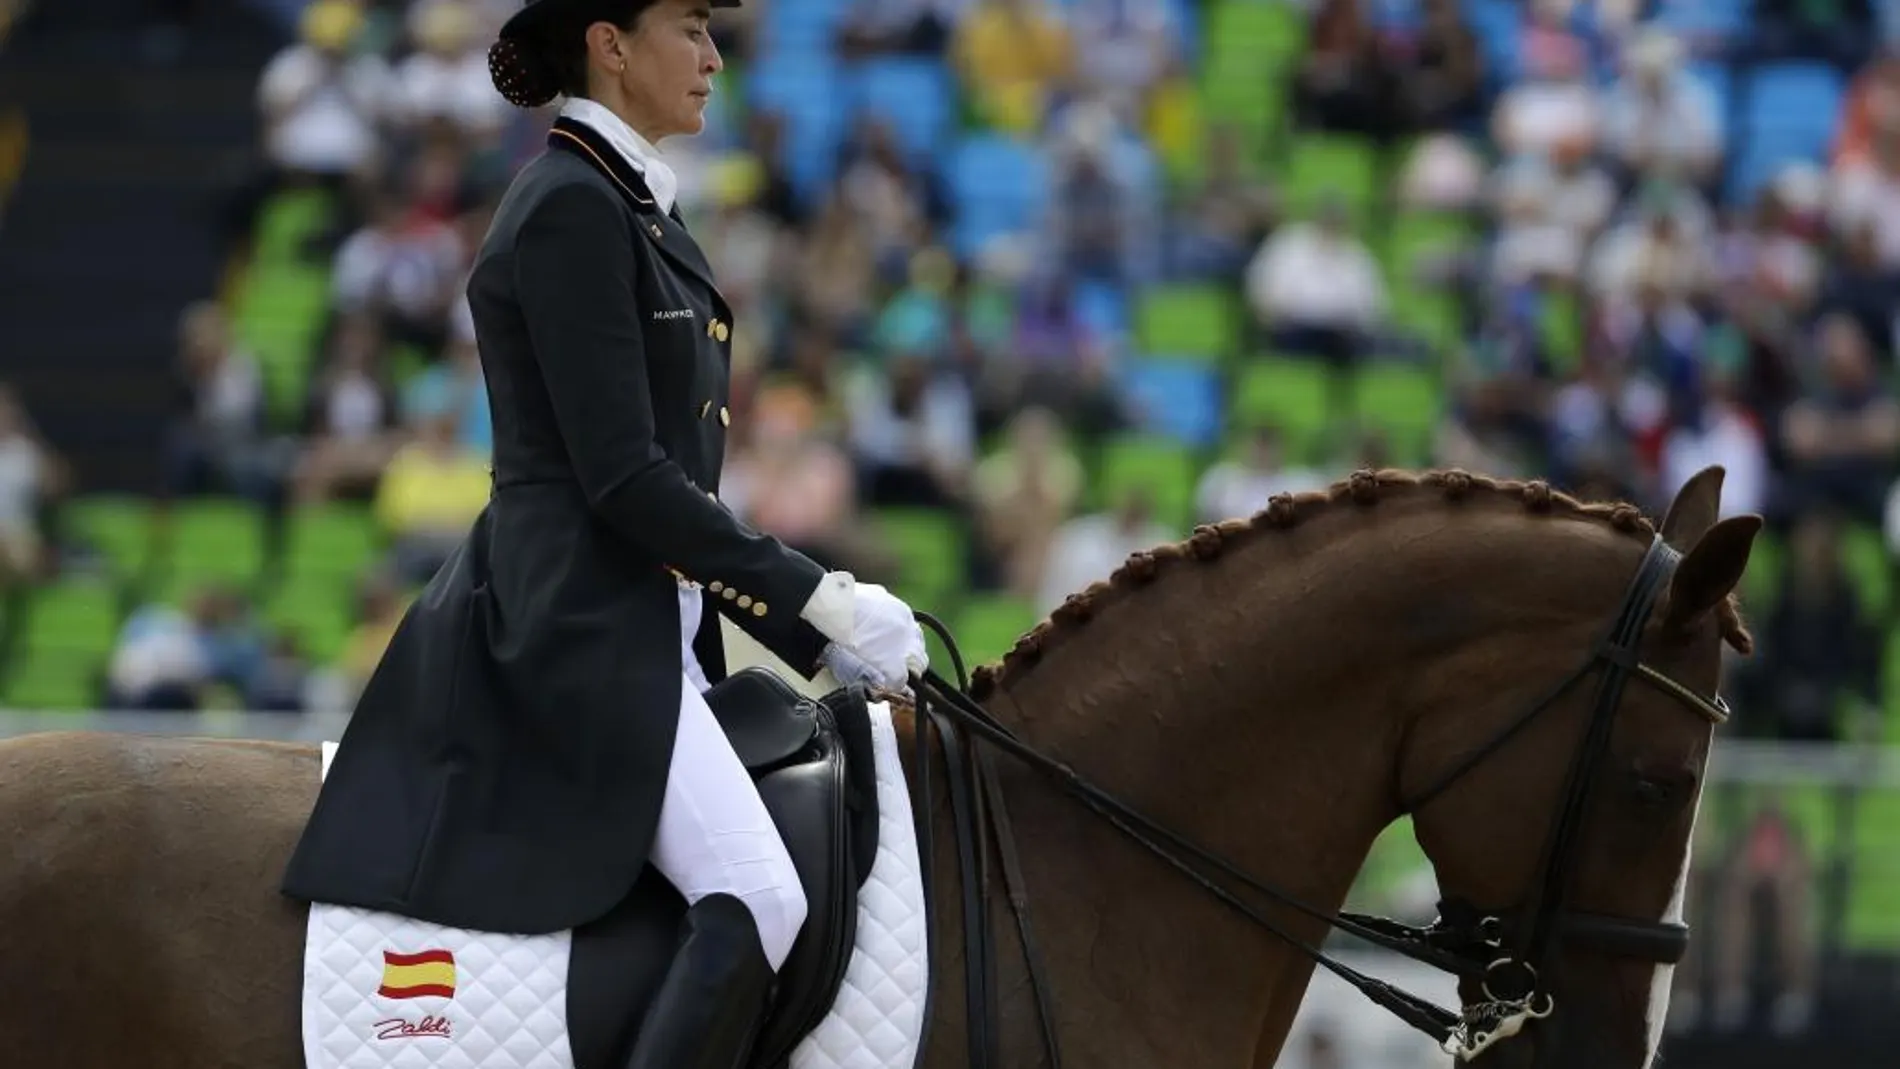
x: 138, y: 899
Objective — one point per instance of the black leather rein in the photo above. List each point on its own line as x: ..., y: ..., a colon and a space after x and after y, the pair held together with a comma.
x: 1485, y: 946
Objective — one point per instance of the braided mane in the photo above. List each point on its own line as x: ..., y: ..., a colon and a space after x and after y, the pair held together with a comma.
x: 1284, y: 511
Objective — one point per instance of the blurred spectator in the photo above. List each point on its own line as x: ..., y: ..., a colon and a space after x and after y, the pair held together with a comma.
x: 169, y: 658
x: 1443, y: 84
x: 1023, y: 492
x: 837, y: 264
x: 1858, y: 284
x: 427, y: 496
x: 322, y: 103
x: 1657, y: 121
x: 1099, y: 224
x: 1124, y: 49
x: 1443, y: 172
x: 1870, y: 107
x: 898, y: 204
x: 444, y: 84
x: 1820, y: 648
x: 379, y: 605
x: 1715, y: 428
x: 911, y: 433
x: 1014, y: 57
x: 1867, y: 193
x: 1770, y: 860
x: 1316, y: 288
x: 350, y: 420
x: 788, y: 479
x: 1554, y: 103
x: 1345, y: 82
x: 1238, y: 487
x: 1088, y: 548
x: 1217, y: 225
x: 880, y: 27
x: 1842, y: 437
x: 407, y: 266
x: 1660, y: 248
x: 30, y: 476
x: 218, y: 441
x: 454, y: 388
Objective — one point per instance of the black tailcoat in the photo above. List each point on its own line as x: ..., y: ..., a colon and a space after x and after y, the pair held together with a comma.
x: 504, y: 767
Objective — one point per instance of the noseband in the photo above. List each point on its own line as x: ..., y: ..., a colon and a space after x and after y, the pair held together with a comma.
x: 1504, y: 951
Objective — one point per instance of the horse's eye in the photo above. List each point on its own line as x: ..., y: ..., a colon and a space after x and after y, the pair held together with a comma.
x: 1659, y: 792
x: 1652, y: 792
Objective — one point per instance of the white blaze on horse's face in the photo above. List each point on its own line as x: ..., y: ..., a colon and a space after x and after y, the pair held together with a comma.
x: 1660, y: 983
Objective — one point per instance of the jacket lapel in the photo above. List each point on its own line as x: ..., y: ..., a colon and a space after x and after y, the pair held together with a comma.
x: 664, y: 229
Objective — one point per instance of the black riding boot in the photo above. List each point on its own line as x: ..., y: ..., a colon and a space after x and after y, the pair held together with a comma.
x: 715, y: 997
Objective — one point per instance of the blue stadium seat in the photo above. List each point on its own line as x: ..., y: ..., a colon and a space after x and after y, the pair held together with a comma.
x: 1708, y: 20
x: 1101, y: 306
x: 1175, y: 398
x: 1797, y: 105
x: 997, y: 186
x: 917, y: 97
x: 1497, y: 24
x: 808, y: 90
x: 794, y: 26
x: 1714, y: 79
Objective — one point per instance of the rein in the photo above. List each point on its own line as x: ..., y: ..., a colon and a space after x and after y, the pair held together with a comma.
x: 1465, y: 941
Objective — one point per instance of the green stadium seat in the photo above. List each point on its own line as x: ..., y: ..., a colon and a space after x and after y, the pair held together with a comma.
x: 929, y: 545
x: 1414, y: 236
x: 1293, y: 395
x: 1431, y: 317
x: 1250, y: 46
x: 118, y: 526
x: 1251, y: 35
x: 1326, y: 166
x: 280, y: 314
x: 53, y: 683
x: 1197, y: 323
x: 1761, y: 583
x: 320, y: 614
x: 336, y: 541
x: 1864, y: 556
x: 1873, y: 897
x: 70, y: 617
x: 1163, y: 467
x: 989, y: 625
x: 1404, y: 402
x: 215, y: 540
x: 1560, y: 328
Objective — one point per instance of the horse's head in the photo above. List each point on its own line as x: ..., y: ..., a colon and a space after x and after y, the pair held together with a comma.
x: 1559, y: 820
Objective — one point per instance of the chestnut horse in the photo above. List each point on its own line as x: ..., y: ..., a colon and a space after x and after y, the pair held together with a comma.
x: 1274, y: 690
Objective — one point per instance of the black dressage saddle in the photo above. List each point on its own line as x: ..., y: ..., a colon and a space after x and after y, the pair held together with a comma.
x: 814, y: 767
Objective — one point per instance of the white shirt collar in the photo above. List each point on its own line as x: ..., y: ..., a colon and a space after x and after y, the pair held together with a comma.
x: 636, y: 150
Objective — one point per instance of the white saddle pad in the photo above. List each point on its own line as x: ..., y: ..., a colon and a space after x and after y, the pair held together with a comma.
x: 386, y: 992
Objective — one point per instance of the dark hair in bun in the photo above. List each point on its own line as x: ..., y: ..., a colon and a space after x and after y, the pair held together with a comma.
x: 525, y: 75
x: 547, y: 57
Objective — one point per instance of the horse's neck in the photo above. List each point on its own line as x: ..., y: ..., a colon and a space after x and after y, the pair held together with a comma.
x: 1253, y: 734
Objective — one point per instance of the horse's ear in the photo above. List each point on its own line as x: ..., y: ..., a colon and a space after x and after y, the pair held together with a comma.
x: 1711, y: 570
x: 1696, y: 507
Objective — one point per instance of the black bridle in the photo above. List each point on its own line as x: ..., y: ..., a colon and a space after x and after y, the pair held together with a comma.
x: 1502, y: 951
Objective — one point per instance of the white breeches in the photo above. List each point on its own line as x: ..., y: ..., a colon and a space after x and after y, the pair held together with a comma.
x: 715, y: 835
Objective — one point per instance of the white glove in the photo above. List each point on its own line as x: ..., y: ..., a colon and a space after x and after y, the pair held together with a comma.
x: 872, y: 624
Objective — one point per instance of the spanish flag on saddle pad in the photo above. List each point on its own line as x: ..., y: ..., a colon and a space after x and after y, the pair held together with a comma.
x: 428, y: 974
